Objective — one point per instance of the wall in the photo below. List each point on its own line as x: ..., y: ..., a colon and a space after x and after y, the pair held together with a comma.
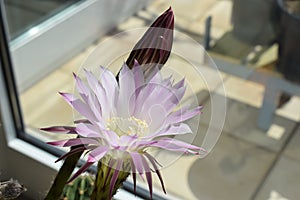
x: 35, y: 176
x: 3, y: 160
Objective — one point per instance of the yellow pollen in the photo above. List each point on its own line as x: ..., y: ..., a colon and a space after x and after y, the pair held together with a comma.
x: 127, y: 126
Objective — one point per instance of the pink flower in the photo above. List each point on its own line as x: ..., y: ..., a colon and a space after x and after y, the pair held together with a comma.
x: 124, y: 119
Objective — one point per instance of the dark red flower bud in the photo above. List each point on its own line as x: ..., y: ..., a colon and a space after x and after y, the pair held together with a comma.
x: 154, y: 48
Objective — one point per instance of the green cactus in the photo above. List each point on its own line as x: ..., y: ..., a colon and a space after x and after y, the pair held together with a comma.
x: 79, y: 189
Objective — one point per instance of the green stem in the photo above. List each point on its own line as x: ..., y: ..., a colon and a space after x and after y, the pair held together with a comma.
x: 102, y: 184
x: 62, y: 177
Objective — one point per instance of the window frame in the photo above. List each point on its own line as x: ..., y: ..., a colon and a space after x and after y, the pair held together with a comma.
x: 17, y: 151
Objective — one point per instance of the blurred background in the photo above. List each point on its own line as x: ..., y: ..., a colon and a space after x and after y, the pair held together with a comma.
x: 255, y: 45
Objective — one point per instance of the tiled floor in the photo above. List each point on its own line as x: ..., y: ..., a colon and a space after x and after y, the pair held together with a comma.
x: 246, y: 163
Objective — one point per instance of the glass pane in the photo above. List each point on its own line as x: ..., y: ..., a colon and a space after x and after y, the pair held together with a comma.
x: 42, y: 65
x: 26, y: 18
x: 23, y: 15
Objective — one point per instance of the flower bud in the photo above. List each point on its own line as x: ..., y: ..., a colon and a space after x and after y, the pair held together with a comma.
x: 154, y: 48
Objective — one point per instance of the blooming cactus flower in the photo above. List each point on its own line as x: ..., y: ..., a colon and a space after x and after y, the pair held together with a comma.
x: 124, y: 119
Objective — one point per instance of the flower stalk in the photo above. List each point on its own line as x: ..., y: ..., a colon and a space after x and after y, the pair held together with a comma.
x: 104, y: 177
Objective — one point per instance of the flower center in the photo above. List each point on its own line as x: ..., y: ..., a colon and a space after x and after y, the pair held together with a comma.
x: 127, y: 126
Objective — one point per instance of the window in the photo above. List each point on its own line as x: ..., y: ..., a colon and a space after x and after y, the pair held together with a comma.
x: 31, y: 59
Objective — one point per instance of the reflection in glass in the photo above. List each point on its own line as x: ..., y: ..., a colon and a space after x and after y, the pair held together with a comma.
x: 23, y: 15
